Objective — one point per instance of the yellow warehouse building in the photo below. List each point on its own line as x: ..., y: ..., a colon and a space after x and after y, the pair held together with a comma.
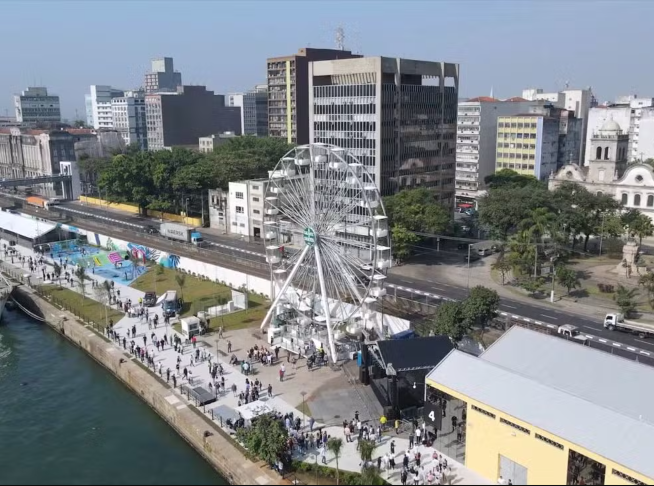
x: 543, y: 410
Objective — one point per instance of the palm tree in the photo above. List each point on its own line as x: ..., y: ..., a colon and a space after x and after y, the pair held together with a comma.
x: 366, y: 450
x: 540, y: 222
x: 80, y: 273
x: 335, y: 444
x: 57, y: 272
x: 180, y: 278
x: 625, y: 298
x: 647, y: 281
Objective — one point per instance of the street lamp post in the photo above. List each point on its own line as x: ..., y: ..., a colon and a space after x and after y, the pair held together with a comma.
x: 469, y: 248
x: 601, y: 234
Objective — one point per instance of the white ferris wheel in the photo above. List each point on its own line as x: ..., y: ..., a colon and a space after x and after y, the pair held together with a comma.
x: 327, y: 242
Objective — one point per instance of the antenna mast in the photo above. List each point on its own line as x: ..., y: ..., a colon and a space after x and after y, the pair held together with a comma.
x: 340, y: 39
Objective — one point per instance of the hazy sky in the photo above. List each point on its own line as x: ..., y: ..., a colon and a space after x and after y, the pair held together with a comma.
x: 508, y: 45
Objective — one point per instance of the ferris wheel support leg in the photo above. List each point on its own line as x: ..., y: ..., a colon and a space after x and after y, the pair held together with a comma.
x: 325, y: 304
x: 284, y: 287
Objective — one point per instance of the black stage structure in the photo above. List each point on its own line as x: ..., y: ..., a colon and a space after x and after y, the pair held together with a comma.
x: 396, y: 371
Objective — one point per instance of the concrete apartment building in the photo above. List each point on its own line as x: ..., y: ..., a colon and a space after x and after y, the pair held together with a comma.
x: 245, y: 207
x: 162, y: 77
x: 35, y: 105
x: 636, y: 117
x: 476, y: 142
x: 99, y: 104
x: 254, y: 110
x: 578, y: 101
x: 288, y: 92
x: 398, y: 116
x: 208, y: 144
x: 128, y: 113
x: 538, y: 143
x: 181, y: 118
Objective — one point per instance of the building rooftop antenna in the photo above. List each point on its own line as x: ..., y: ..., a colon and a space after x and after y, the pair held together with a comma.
x: 340, y: 38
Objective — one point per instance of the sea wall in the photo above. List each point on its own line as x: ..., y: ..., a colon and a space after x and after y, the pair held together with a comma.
x: 220, y: 451
x: 231, y: 278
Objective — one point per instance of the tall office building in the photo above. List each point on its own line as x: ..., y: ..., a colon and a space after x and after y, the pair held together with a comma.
x: 476, y: 140
x: 181, y: 118
x: 163, y: 77
x: 35, y: 105
x: 129, y: 119
x: 538, y: 143
x: 98, y: 105
x: 398, y: 116
x: 254, y: 110
x: 288, y: 92
x: 577, y: 101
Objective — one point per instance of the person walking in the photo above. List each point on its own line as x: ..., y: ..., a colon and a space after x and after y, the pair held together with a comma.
x: 229, y: 346
x: 323, y: 453
x: 418, y: 434
x: 454, y: 421
x: 411, y: 438
x: 393, y: 447
x: 282, y: 370
x: 234, y: 388
x: 397, y: 426
x: 270, y: 391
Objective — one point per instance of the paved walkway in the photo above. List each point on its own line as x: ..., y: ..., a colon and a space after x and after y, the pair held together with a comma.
x: 227, y: 402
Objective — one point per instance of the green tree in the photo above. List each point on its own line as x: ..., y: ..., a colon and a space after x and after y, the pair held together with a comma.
x: 504, y: 208
x: 266, y: 438
x: 451, y: 321
x: 508, y: 177
x: 567, y: 277
x: 502, y: 265
x: 416, y: 210
x: 532, y: 285
x: 106, y: 287
x: 91, y: 168
x: 625, y: 298
x: 102, y: 297
x: 481, y: 307
x: 180, y: 278
x: 128, y: 179
x: 403, y: 241
x: 641, y: 226
x: 80, y: 273
x: 79, y: 124
x: 538, y: 224
x: 335, y: 445
x: 647, y: 282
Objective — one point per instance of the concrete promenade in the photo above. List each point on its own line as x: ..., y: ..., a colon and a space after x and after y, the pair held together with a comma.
x: 227, y: 402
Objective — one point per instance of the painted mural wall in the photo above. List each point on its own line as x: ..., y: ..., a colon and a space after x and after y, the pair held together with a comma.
x: 232, y: 278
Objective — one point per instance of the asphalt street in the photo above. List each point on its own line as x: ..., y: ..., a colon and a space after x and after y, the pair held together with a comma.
x: 619, y: 343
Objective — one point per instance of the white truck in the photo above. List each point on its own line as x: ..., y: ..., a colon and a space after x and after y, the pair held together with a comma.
x: 181, y: 232
x: 614, y: 322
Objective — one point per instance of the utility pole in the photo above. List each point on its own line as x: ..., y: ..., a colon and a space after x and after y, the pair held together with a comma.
x: 536, y: 260
x: 601, y: 234
x: 469, y: 247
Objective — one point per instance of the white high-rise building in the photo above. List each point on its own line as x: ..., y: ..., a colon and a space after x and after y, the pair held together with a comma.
x: 99, y: 102
x: 35, y: 105
x: 476, y: 142
x: 636, y: 117
x: 128, y: 113
x: 578, y: 101
x: 254, y: 110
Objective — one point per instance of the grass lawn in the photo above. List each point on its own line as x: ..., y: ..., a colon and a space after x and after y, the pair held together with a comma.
x: 88, y: 309
x: 198, y: 294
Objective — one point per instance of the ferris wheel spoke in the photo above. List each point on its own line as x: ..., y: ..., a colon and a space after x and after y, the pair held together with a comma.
x: 354, y: 266
x: 343, y: 280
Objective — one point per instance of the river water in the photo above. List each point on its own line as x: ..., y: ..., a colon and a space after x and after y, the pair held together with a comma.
x: 66, y: 420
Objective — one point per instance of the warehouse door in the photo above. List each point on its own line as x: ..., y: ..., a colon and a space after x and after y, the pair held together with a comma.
x: 509, y: 469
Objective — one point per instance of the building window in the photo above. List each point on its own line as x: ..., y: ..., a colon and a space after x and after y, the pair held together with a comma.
x: 626, y: 477
x: 483, y: 412
x: 637, y: 200
x: 515, y: 426
x: 549, y: 441
x: 239, y: 210
x: 606, y: 153
x: 239, y: 195
x: 255, y: 199
x: 256, y: 211
x: 624, y: 199
x: 650, y: 201
x: 598, y: 153
x: 234, y: 223
x: 242, y: 225
x: 255, y: 188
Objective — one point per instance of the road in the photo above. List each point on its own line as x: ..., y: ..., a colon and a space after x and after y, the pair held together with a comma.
x: 619, y: 343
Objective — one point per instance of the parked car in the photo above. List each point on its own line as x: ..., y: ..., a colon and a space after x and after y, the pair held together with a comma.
x: 473, y: 257
x: 482, y: 252
x: 150, y: 299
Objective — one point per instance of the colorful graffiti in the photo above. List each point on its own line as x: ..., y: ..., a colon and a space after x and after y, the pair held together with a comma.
x: 143, y: 252
x: 169, y: 260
